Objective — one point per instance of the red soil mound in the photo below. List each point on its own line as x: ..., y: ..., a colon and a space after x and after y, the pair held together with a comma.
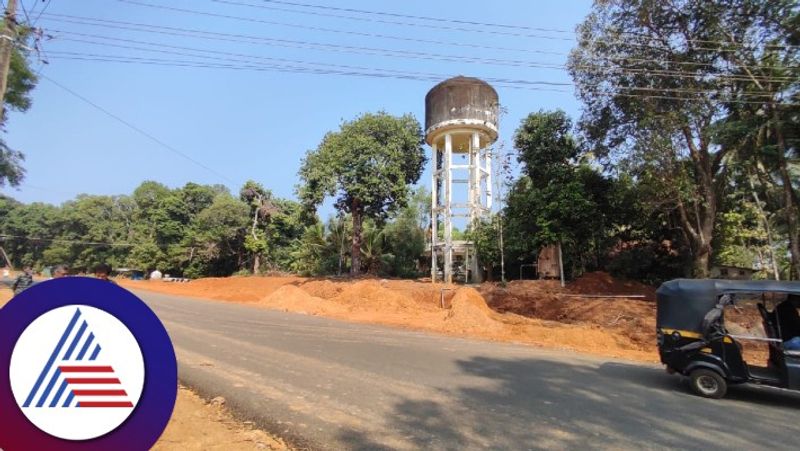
x: 599, y: 283
x: 292, y: 299
x: 373, y: 295
x: 546, y: 300
x: 236, y: 289
x: 535, y: 312
x: 469, y: 312
x: 323, y: 288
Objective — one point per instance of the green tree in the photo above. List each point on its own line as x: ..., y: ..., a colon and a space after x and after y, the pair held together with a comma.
x: 28, y: 231
x: 404, y: 236
x: 557, y: 200
x: 21, y: 81
x: 217, y: 237
x: 654, y: 77
x: 486, y: 236
x: 261, y: 210
x: 285, y: 227
x: 368, y: 165
x: 308, y: 256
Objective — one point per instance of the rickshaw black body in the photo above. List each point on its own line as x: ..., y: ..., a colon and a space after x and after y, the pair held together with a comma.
x: 693, y: 341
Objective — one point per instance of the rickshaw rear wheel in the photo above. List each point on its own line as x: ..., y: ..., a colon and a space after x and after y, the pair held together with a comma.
x: 708, y: 383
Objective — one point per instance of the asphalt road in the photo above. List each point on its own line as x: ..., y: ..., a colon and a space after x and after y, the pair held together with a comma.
x: 333, y: 385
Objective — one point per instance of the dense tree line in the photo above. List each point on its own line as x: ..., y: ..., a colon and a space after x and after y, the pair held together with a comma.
x: 194, y: 230
x: 204, y: 230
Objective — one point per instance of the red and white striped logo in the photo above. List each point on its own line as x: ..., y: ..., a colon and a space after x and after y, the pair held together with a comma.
x: 77, y: 372
x: 94, y: 386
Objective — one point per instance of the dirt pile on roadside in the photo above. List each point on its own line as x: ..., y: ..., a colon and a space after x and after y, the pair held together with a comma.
x: 600, y: 283
x: 372, y: 295
x: 633, y: 319
x: 468, y: 313
x: 471, y: 315
x: 323, y: 288
x: 290, y: 298
x: 534, y: 312
x: 234, y: 289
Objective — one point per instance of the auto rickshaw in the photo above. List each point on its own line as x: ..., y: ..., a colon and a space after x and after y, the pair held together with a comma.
x: 693, y: 339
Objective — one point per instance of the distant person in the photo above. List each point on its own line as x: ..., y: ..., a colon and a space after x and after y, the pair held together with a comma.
x: 23, y: 281
x: 156, y: 275
x: 60, y: 271
x: 103, y: 271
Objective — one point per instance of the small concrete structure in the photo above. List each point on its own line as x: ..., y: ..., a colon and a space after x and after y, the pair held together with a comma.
x: 547, y: 263
x: 731, y: 272
x: 460, y: 118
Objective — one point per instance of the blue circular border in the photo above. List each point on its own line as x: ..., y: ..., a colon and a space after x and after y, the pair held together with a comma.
x: 150, y: 416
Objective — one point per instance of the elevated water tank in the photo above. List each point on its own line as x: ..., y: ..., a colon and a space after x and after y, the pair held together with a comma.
x: 460, y: 106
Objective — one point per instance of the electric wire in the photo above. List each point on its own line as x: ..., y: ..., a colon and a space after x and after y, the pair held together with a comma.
x: 365, y: 34
x: 423, y: 75
x: 172, y: 63
x: 471, y: 30
x: 139, y: 130
x: 409, y: 16
x: 647, y: 72
x: 364, y: 19
x: 204, y: 34
x: 444, y: 19
x: 44, y: 8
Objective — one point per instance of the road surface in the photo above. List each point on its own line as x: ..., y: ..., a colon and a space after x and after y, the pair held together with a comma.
x: 334, y: 385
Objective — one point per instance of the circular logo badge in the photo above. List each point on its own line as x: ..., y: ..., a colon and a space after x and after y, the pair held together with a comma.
x: 90, y: 366
x: 80, y: 383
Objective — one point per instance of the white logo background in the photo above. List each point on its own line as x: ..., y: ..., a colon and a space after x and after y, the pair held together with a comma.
x: 35, y: 346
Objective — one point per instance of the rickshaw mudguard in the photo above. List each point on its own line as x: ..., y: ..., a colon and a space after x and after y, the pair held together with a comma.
x: 714, y: 364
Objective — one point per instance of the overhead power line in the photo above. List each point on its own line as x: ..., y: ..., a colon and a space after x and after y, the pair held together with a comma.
x: 64, y: 18
x: 409, y: 16
x: 444, y: 19
x: 253, y: 39
x: 44, y: 8
x: 351, y: 32
x: 448, y: 43
x: 381, y: 21
x: 262, y: 67
x: 440, y: 19
x: 240, y: 57
x: 690, y: 97
x: 259, y: 57
x: 138, y: 130
x: 407, y: 54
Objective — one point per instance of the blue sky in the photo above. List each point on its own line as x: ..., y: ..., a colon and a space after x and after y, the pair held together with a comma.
x: 256, y: 124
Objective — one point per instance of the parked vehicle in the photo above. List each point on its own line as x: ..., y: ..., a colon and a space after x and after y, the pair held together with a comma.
x: 693, y: 339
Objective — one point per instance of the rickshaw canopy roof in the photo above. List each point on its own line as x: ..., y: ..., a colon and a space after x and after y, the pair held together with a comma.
x: 682, y: 303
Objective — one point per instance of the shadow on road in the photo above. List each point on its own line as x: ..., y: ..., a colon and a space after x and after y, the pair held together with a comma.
x: 539, y: 403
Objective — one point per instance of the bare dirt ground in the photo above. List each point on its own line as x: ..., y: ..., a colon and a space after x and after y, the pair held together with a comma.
x: 200, y: 425
x: 537, y: 312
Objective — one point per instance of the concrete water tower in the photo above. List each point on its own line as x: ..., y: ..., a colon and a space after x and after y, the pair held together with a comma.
x: 460, y: 120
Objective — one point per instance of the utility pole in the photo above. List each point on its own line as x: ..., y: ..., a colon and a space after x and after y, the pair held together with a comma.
x: 7, y: 39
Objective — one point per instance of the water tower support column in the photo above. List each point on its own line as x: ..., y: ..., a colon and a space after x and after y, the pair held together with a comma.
x: 448, y: 213
x: 434, y: 210
x: 488, y: 155
x: 475, y: 179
